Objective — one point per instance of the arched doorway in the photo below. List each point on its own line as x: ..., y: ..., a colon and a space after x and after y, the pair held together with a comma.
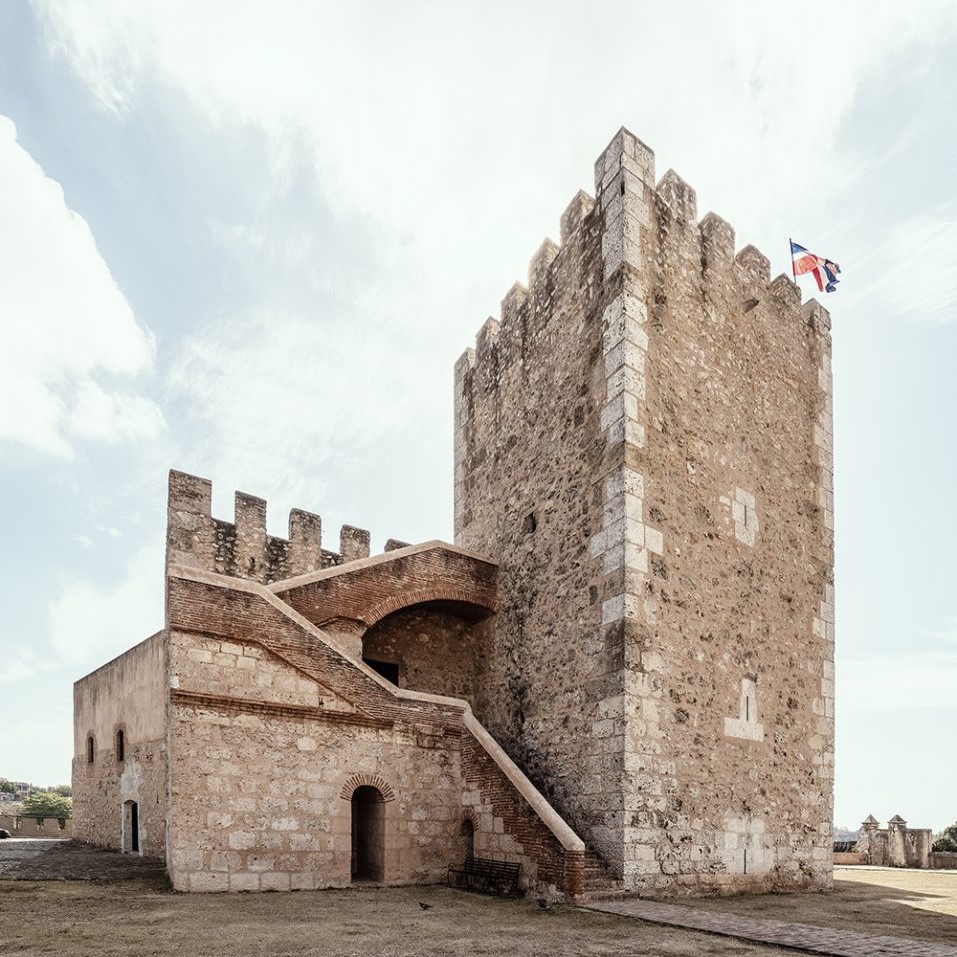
x: 131, y: 827
x: 368, y: 834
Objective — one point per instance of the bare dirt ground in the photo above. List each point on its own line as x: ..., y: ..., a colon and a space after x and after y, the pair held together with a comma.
x: 871, y: 900
x: 122, y: 907
x: 134, y: 918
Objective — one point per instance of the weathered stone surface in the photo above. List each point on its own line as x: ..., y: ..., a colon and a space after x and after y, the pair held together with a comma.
x: 128, y: 694
x: 636, y: 627
x: 644, y: 453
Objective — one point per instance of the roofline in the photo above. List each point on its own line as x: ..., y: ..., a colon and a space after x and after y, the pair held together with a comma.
x: 334, y: 570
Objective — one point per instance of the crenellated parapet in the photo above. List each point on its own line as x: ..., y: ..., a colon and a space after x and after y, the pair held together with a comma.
x: 243, y: 548
x: 611, y: 230
x: 643, y: 439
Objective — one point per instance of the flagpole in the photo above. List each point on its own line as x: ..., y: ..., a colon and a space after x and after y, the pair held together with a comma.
x: 791, y: 254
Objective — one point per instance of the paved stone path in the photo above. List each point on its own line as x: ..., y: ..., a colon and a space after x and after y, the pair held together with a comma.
x: 38, y: 859
x: 806, y: 937
x: 14, y: 850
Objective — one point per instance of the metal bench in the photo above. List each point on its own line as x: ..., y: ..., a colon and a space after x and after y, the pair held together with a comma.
x: 480, y: 873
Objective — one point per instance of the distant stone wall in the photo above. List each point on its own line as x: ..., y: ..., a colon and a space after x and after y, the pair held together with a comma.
x: 849, y: 857
x: 942, y: 860
x: 897, y: 845
x: 20, y: 825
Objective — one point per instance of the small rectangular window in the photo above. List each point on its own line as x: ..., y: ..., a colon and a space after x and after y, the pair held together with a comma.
x: 388, y: 669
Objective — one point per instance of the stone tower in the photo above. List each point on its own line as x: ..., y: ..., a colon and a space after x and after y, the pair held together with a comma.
x: 643, y: 441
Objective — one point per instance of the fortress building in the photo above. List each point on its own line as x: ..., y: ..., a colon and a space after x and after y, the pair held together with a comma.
x: 621, y: 673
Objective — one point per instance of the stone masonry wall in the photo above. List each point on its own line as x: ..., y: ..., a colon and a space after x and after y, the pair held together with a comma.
x: 666, y: 583
x: 897, y: 845
x: 243, y: 548
x: 435, y: 652
x: 128, y: 694
x: 349, y: 599
x: 507, y: 829
x: 529, y: 465
x: 27, y: 826
x: 262, y: 799
x: 271, y: 730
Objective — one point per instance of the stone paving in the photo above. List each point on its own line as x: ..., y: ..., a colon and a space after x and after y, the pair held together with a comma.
x: 36, y: 859
x: 13, y: 850
x: 806, y: 937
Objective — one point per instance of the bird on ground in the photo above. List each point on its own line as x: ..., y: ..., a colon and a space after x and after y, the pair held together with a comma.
x: 425, y: 906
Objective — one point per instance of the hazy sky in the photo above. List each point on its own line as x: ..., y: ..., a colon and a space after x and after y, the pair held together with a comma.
x: 248, y: 240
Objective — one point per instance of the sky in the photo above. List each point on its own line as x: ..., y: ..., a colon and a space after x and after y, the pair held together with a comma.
x: 248, y: 240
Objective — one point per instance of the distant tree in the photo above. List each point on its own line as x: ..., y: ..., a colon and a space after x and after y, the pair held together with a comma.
x: 8, y: 786
x: 45, y: 804
x: 947, y: 839
x: 64, y: 790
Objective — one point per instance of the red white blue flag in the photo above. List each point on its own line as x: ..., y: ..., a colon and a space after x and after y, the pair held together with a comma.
x: 824, y: 271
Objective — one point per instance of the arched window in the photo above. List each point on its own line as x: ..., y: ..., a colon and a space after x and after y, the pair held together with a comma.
x: 120, y: 745
x: 90, y: 749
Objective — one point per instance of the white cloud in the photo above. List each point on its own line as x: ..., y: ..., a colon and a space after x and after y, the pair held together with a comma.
x: 453, y: 125
x: 282, y: 395
x: 67, y: 328
x: 93, y: 621
x: 20, y: 663
x: 947, y: 634
x: 921, y: 281
x: 897, y: 683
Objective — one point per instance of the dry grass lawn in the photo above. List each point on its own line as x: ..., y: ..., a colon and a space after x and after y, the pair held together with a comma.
x: 139, y: 918
x: 125, y: 911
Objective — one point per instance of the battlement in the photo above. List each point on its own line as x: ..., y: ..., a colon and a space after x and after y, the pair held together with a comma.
x: 644, y: 441
x: 242, y: 548
x: 632, y: 223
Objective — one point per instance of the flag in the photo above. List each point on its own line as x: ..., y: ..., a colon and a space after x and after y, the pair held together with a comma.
x: 824, y: 271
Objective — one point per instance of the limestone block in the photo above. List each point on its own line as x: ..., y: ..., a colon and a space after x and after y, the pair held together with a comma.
x: 575, y: 213
x: 678, y: 196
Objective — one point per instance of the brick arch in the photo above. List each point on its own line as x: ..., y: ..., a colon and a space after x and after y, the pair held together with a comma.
x: 367, y: 780
x: 396, y: 603
x: 469, y: 815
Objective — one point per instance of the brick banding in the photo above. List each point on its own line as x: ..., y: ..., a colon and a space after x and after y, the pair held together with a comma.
x: 428, y: 593
x: 367, y: 780
x: 242, y: 705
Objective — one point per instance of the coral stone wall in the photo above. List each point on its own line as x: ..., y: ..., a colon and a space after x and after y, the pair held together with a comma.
x: 272, y: 728
x: 434, y: 651
x: 529, y: 463
x: 664, y: 657
x: 262, y: 799
x: 128, y: 694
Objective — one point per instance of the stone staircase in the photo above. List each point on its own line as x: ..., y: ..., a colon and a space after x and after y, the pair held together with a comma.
x: 599, y: 883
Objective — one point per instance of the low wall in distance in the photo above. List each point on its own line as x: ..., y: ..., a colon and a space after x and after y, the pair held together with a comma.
x: 21, y: 825
x: 942, y: 860
x: 849, y: 857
